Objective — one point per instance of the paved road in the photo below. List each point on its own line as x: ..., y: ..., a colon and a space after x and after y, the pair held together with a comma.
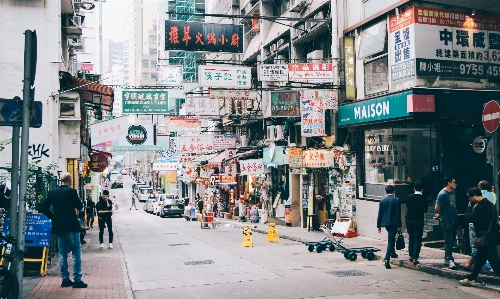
x: 174, y: 258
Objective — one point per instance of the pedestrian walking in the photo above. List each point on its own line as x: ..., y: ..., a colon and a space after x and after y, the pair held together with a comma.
x: 81, y: 213
x: 65, y: 202
x: 483, y: 214
x: 115, y: 203
x: 200, y: 205
x: 104, y: 212
x: 416, y: 206
x: 446, y: 212
x: 90, y: 207
x: 389, y: 216
x: 133, y: 203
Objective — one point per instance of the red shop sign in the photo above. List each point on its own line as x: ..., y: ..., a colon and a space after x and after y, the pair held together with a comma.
x: 98, y: 162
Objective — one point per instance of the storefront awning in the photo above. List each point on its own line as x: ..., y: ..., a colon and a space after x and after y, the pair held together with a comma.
x: 205, y: 157
x: 109, y: 155
x: 87, y: 89
x: 217, y: 159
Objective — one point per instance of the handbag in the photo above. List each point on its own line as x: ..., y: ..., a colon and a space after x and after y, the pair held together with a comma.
x: 481, y: 238
x: 400, y: 241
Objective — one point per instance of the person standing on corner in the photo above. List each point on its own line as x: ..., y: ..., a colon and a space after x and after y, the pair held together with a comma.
x: 483, y: 214
x: 65, y: 202
x: 417, y: 206
x: 446, y: 212
x: 104, y: 212
x: 389, y: 216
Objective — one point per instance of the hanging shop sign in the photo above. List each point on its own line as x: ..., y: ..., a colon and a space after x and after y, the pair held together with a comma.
x: 224, y: 141
x: 402, y: 49
x: 201, y: 106
x: 479, y: 144
x: 249, y: 95
x: 164, y: 166
x: 255, y: 22
x: 273, y: 72
x: 252, y: 166
x: 230, y: 170
x: 313, y: 103
x: 168, y: 74
x: 229, y: 180
x: 200, y: 36
x: 296, y: 157
x: 318, y: 158
x: 136, y: 101
x: 225, y: 76
x: 310, y: 72
x: 170, y: 176
x: 184, y: 125
x: 98, y: 162
x: 141, y: 148
x: 383, y: 108
x: 285, y: 103
x: 350, y: 68
x: 230, y: 153
x: 137, y: 138
x: 107, y: 130
x: 196, y: 144
x: 214, y: 180
x: 138, y: 135
x: 421, y: 103
x: 491, y: 116
x: 187, y: 159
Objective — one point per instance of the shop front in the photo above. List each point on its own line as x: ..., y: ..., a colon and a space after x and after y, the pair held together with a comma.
x: 417, y: 135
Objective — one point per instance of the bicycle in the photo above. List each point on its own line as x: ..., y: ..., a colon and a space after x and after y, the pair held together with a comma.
x: 9, y: 288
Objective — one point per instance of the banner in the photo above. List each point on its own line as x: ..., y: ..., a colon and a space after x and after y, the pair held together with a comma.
x: 252, y: 166
x: 313, y: 103
x: 205, y: 37
x: 184, y: 125
x: 141, y: 148
x: 273, y: 72
x: 224, y: 141
x: 137, y: 135
x: 137, y: 101
x: 225, y: 76
x: 108, y: 130
x: 318, y: 158
x: 250, y: 95
x: 196, y: 144
x: 310, y: 72
x: 201, y: 106
x: 350, y: 68
x: 168, y: 74
x: 164, y: 166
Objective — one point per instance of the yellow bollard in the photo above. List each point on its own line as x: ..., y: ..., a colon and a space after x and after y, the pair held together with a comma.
x: 272, y: 234
x: 247, y: 237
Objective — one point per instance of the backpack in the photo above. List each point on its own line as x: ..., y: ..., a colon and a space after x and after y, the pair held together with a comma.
x: 4, y: 197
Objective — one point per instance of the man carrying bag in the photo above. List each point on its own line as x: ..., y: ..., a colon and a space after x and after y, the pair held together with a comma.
x: 482, y: 213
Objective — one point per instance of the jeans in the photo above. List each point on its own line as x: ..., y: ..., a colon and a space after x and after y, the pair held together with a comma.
x: 105, y: 221
x: 415, y: 230
x: 391, y: 241
x: 90, y: 218
x: 482, y: 255
x: 450, y: 232
x: 71, y: 241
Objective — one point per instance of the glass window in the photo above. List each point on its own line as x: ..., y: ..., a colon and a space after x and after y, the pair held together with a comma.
x: 145, y: 76
x: 153, y: 63
x: 377, y: 76
x: 152, y: 51
x: 145, y: 63
x: 153, y: 76
x: 152, y: 40
x: 372, y: 40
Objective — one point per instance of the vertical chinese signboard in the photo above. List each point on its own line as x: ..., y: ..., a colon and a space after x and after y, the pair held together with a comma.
x: 225, y: 76
x: 206, y: 37
x: 402, y: 49
x: 313, y: 103
x: 137, y: 101
x: 285, y: 103
x: 349, y: 68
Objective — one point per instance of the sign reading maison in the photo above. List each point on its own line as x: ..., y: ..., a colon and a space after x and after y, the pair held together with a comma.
x: 371, y: 110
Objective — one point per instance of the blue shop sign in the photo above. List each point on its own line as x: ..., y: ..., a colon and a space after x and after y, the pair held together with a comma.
x: 383, y: 108
x: 38, y: 230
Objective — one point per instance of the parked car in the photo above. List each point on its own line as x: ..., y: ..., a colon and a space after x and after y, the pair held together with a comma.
x: 171, y: 207
x: 119, y: 181
x: 124, y: 172
x: 144, y: 193
x: 114, y: 171
x: 150, y: 202
x: 157, y: 204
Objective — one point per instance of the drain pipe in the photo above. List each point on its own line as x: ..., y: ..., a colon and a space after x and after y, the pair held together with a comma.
x: 335, y: 42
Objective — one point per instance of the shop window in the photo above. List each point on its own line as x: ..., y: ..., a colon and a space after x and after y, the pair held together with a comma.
x: 398, y: 156
x: 145, y: 63
x: 377, y: 75
x: 67, y: 109
x: 372, y: 40
x: 371, y: 7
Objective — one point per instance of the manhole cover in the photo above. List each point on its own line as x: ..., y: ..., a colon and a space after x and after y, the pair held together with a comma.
x: 178, y: 244
x: 348, y: 273
x: 199, y: 262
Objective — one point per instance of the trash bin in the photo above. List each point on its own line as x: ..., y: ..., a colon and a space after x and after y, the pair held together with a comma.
x: 210, y: 216
x: 192, y: 213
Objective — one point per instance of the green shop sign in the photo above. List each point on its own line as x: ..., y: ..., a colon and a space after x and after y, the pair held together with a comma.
x: 136, y: 101
x: 383, y: 108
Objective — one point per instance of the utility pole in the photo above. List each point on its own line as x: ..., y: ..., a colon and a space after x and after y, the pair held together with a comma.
x: 30, y: 49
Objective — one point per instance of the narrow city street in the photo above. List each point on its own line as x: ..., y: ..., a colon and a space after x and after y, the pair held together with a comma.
x: 174, y: 258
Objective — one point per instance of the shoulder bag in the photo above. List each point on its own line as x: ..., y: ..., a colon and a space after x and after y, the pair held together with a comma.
x: 400, y: 241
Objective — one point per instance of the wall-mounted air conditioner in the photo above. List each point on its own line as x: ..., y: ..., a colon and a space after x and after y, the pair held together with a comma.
x: 243, y: 141
x: 315, y: 56
x: 270, y: 133
x: 75, y: 43
x: 278, y: 133
x: 272, y: 48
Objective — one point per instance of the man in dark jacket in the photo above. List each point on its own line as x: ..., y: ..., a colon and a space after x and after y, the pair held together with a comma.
x: 66, y: 203
x: 416, y: 205
x: 104, y: 212
x: 483, y: 214
x: 389, y: 216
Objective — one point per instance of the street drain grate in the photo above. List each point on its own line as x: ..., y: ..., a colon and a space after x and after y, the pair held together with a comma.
x: 207, y: 262
x: 178, y: 244
x: 348, y: 273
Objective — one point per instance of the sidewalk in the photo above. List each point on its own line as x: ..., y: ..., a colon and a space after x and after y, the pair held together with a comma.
x: 431, y: 259
x: 103, y: 270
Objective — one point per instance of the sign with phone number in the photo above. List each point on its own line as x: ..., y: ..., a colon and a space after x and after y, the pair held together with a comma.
x: 477, y: 70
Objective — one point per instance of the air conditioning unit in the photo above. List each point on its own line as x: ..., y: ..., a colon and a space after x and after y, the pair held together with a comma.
x: 77, y: 21
x: 270, y: 133
x: 243, y: 141
x: 278, y: 133
x: 272, y: 48
x: 75, y: 43
x: 315, y: 56
x: 280, y: 59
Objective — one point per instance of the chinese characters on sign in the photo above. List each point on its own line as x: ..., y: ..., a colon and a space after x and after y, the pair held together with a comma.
x: 350, y: 68
x: 206, y: 37
x: 108, y: 130
x: 273, y: 72
x: 196, y: 144
x: 285, y: 103
x: 224, y: 141
x: 313, y: 104
x: 402, y: 49
x: 184, y: 125
x: 137, y: 101
x: 252, y: 166
x: 310, y: 72
x: 296, y: 159
x: 230, y: 170
x: 201, y: 106
x: 225, y: 76
x: 164, y: 166
x: 98, y: 162
x: 318, y: 158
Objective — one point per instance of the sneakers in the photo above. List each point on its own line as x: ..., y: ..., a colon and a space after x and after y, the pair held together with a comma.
x: 452, y: 265
x: 102, y: 245
x: 66, y: 283
x: 79, y: 285
x: 83, y: 242
x: 468, y: 283
x: 110, y: 245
